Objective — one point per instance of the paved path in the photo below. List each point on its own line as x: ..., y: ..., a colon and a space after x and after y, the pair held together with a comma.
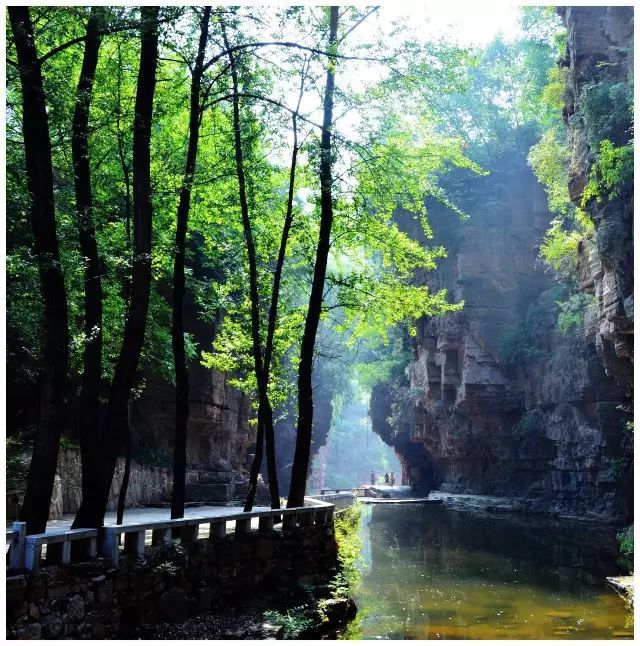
x: 148, y: 514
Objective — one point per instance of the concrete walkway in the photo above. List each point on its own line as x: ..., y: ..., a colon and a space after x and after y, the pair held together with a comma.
x: 149, y: 514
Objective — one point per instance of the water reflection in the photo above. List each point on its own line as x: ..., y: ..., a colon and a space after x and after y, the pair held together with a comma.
x: 434, y: 573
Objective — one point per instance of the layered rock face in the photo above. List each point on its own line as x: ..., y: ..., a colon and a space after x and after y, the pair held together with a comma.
x: 219, y: 435
x: 547, y: 428
x: 600, y: 49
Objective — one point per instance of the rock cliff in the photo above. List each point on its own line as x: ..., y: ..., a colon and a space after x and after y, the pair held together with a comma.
x: 599, y: 59
x: 543, y: 418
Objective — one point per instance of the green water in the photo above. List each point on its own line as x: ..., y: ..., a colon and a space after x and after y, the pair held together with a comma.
x: 434, y: 573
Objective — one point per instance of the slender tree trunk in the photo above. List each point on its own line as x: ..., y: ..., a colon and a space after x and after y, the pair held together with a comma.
x: 126, y: 175
x: 305, y: 391
x: 267, y: 428
x: 263, y: 400
x: 55, y: 393
x: 255, y: 468
x: 177, y: 326
x: 89, y: 410
x: 122, y: 496
x: 275, y: 291
x: 94, y: 502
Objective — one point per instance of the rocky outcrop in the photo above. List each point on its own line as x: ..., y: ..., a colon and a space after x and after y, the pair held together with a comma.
x: 599, y: 58
x: 147, y: 485
x: 544, y: 423
x: 220, y: 437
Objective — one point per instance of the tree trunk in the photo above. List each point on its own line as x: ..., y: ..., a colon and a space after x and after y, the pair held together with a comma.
x: 255, y: 469
x: 269, y: 430
x: 177, y: 326
x: 122, y: 496
x: 94, y: 502
x: 55, y: 393
x: 300, y: 467
x: 92, y: 369
x: 264, y: 406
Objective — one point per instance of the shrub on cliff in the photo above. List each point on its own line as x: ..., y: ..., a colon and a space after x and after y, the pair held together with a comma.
x: 625, y: 542
x: 525, y: 341
x: 606, y: 109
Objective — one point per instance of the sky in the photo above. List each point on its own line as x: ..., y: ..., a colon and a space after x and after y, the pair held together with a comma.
x: 468, y: 24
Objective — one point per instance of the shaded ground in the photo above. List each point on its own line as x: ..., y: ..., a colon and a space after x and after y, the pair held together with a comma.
x: 304, y: 612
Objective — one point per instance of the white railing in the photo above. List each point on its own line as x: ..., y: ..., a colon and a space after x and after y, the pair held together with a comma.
x: 356, y: 491
x: 85, y: 544
x: 15, y: 541
x: 339, y: 500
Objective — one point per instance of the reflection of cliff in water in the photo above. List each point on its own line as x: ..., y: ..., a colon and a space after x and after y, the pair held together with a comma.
x: 570, y: 552
x: 436, y: 573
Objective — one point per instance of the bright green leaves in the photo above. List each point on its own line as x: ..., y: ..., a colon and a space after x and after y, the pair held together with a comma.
x: 611, y: 174
x: 550, y: 159
x: 571, y: 312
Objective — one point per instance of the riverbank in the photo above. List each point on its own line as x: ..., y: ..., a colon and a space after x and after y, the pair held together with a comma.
x: 624, y: 586
x: 298, y: 612
x: 302, y: 613
x: 507, y: 505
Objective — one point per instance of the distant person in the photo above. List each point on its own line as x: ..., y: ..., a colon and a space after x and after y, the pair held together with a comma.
x: 386, y: 478
x: 393, y: 479
x: 373, y: 478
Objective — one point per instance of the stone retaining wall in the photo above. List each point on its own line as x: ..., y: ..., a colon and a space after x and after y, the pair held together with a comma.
x: 96, y: 601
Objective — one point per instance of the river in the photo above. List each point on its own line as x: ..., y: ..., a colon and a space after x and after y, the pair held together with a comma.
x: 431, y: 572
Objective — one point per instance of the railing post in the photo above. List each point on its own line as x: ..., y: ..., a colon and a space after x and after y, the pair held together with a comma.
x: 289, y: 521
x: 243, y: 525
x: 16, y: 547
x: 66, y: 551
x: 217, y: 529
x: 134, y: 542
x: 109, y: 546
x: 32, y: 556
x: 88, y: 547
x: 189, y: 533
x: 265, y: 524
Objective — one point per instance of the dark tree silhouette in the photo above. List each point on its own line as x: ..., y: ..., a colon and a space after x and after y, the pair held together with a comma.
x: 115, y: 429
x: 55, y: 384
x: 300, y: 467
x: 177, y: 327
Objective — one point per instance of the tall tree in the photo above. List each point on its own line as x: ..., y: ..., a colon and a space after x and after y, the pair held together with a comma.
x: 267, y: 427
x: 300, y: 467
x: 264, y: 406
x: 177, y: 324
x: 55, y: 385
x: 114, y: 433
x: 89, y: 407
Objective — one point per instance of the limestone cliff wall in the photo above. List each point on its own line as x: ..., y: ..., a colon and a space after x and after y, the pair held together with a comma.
x: 600, y: 49
x: 549, y: 427
x: 147, y: 485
